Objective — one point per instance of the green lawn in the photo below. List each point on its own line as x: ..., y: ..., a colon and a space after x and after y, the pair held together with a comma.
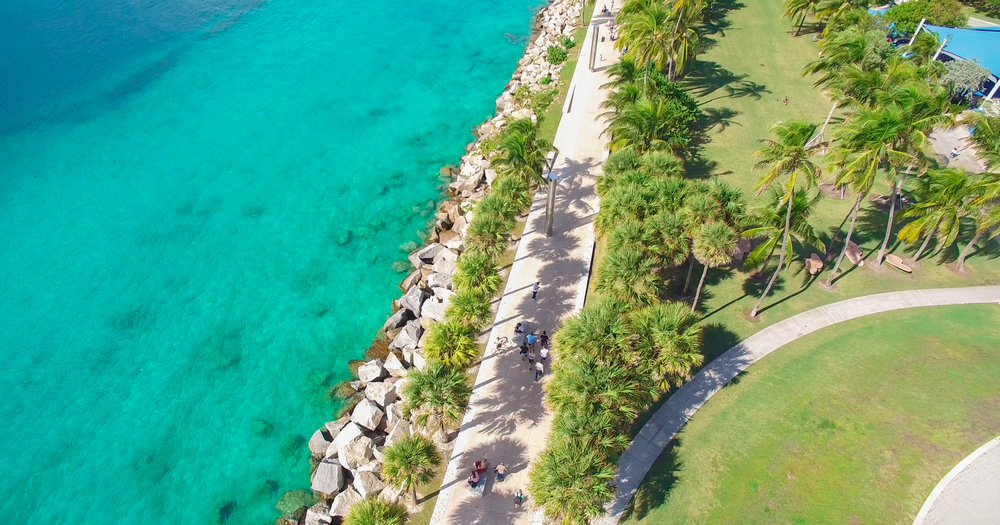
x: 854, y: 424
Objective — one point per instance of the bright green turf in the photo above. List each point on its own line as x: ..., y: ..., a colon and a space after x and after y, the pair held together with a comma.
x: 854, y: 424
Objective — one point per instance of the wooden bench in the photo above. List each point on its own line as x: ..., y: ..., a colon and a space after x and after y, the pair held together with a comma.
x: 898, y: 263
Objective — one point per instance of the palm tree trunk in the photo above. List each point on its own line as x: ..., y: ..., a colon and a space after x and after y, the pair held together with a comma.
x: 801, y: 21
x: 687, y: 282
x: 781, y: 257
x: 697, y: 295
x: 967, y: 249
x: 414, y: 494
x: 645, y: 75
x: 850, y: 232
x: 892, y: 214
x: 827, y: 121
x: 927, y: 240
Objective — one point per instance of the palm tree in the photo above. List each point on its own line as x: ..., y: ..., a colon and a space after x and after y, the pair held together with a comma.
x: 410, y: 462
x: 985, y: 136
x: 670, y: 339
x: 648, y: 124
x: 572, y: 481
x: 671, y: 244
x: 943, y: 195
x: 437, y: 392
x: 985, y: 194
x: 469, y: 307
x: 623, y: 72
x: 476, y: 272
x: 646, y: 33
x: 785, y: 158
x: 601, y: 432
x: 521, y: 153
x: 767, y: 222
x: 699, y: 209
x: 498, y: 206
x: 685, y: 40
x: 487, y: 234
x: 625, y: 201
x: 513, y: 190
x: 627, y: 274
x: 452, y: 343
x: 799, y: 8
x: 599, y: 328
x: 375, y: 511
x: 594, y: 384
x: 713, y: 246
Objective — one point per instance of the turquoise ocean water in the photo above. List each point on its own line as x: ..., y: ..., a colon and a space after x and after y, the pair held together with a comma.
x: 177, y: 182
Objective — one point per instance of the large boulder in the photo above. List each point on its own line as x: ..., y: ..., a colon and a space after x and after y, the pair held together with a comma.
x: 445, y: 266
x: 410, y: 280
x: 318, y: 514
x: 394, y: 366
x: 349, y: 434
x: 367, y: 484
x: 367, y: 414
x: 344, y: 501
x: 371, y: 371
x: 399, y: 431
x: 408, y: 337
x: 453, y: 211
x: 383, y: 394
x: 356, y: 453
x: 452, y: 240
x: 329, y: 477
x: 425, y: 255
x: 443, y: 294
x: 434, y: 309
x: 413, y: 299
x: 399, y: 319
x: 400, y: 385
x: 374, y: 466
x: 320, y: 442
x: 393, y: 414
x: 391, y: 494
x: 438, y: 280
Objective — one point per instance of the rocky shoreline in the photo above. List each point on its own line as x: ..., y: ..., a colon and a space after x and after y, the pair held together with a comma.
x: 347, y: 454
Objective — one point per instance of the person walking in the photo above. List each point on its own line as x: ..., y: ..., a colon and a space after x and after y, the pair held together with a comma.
x: 530, y: 340
x: 544, y: 339
x: 524, y: 351
x: 539, y: 370
x: 531, y: 359
x: 501, y: 471
x: 544, y: 354
x: 534, y: 289
x: 954, y: 153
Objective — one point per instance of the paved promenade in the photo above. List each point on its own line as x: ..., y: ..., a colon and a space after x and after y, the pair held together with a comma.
x: 970, y: 493
x: 507, y: 419
x: 683, y: 403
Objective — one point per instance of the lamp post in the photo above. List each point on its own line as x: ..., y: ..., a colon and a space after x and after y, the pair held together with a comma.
x: 552, y: 177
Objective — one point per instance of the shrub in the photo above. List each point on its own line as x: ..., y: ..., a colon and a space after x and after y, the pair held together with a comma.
x: 470, y: 307
x: 546, y: 80
x: 488, y: 235
x: 514, y: 190
x: 541, y: 100
x: 567, y: 42
x: 451, y: 343
x: 522, y: 93
x: 557, y: 55
x: 375, y: 511
x: 476, y: 272
x: 907, y: 15
x: 965, y: 77
x: 572, y: 481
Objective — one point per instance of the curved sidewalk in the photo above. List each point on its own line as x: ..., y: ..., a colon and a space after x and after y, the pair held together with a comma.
x: 968, y: 493
x: 682, y: 404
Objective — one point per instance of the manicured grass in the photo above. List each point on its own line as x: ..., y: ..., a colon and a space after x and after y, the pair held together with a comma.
x: 972, y: 12
x: 854, y: 424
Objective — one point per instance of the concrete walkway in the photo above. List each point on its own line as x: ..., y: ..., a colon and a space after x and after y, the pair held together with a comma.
x: 968, y: 493
x: 682, y: 404
x: 507, y: 421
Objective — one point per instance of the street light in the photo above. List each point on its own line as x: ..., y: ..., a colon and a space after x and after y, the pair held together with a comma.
x: 550, y: 207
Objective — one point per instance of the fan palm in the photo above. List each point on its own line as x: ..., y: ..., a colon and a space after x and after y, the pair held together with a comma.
x: 713, y: 247
x: 572, y: 481
x: 671, y: 244
x: 514, y: 190
x: 785, y: 158
x: 452, y: 343
x: 471, y: 308
x: 623, y: 202
x: 627, y: 274
x: 943, y: 202
x: 670, y: 339
x: 521, y: 154
x: 487, y: 234
x: 588, y: 385
x: 598, y: 329
x: 648, y: 124
x: 375, y: 511
x: 437, y: 392
x: 410, y: 462
x: 600, y: 432
x: 476, y: 272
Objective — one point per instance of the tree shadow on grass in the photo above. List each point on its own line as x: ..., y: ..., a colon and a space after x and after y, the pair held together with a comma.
x: 656, y: 486
x: 716, y: 339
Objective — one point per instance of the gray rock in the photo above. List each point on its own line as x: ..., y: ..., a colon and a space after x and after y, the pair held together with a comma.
x: 367, y: 484
x: 367, y: 414
x: 319, y: 442
x: 374, y: 466
x: 491, y: 176
x: 410, y: 280
x: 383, y: 394
x: 391, y: 494
x: 371, y: 371
x: 413, y: 299
x: 394, y: 366
x: 399, y: 319
x: 452, y: 240
x: 399, y: 387
x: 344, y: 501
x: 425, y: 255
x: 485, y: 130
x: 349, y: 434
x: 356, y: 453
x: 444, y: 266
x: 439, y: 280
x: 328, y: 478
x: 334, y: 427
x: 434, y: 309
x: 443, y: 294
x: 409, y: 337
x: 399, y: 431
x: 318, y: 514
x: 446, y: 254
x: 393, y: 414
x: 379, y: 454
x: 419, y: 361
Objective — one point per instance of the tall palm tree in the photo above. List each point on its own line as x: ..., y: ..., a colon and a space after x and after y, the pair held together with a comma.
x: 767, y: 222
x: 699, y: 209
x: 469, y: 307
x: 521, y: 153
x: 671, y: 339
x: 451, y: 343
x: 476, y: 272
x: 801, y: 9
x: 437, y: 392
x: 785, y: 158
x: 985, y: 194
x: 685, y: 40
x: 985, y: 136
x: 375, y: 511
x: 943, y: 201
x: 410, y: 462
x: 601, y: 432
x: 623, y: 72
x: 647, y: 33
x: 648, y: 124
x: 627, y: 274
x: 713, y: 246
x: 670, y: 244
x: 572, y: 481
